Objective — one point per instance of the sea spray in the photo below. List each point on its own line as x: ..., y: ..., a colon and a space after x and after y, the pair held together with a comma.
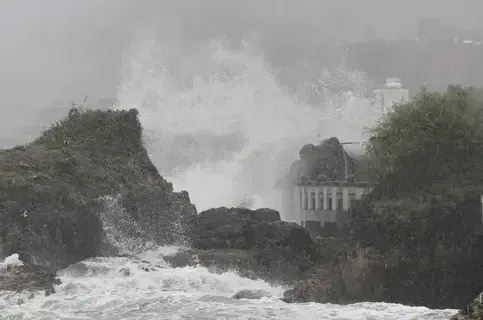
x: 234, y: 94
x: 123, y: 232
x: 11, y: 261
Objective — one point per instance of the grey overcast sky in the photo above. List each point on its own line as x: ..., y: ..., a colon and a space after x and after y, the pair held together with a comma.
x: 59, y: 49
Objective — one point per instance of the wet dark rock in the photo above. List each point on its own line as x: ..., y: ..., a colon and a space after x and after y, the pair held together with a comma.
x: 319, y: 162
x: 184, y: 258
x: 125, y: 272
x: 473, y: 311
x: 28, y: 278
x: 53, y: 191
x: 251, y: 294
x: 229, y: 228
x: 255, y: 243
x: 49, y: 292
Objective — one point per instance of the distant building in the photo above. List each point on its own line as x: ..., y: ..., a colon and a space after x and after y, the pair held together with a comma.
x: 325, y: 205
x: 391, y: 93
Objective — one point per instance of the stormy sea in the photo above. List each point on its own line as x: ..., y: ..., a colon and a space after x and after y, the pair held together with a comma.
x: 225, y: 139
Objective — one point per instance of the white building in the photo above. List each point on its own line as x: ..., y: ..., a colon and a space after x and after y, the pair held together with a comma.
x: 391, y: 93
x: 325, y: 204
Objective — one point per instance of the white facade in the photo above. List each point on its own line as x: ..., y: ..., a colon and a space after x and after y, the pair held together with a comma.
x: 391, y: 93
x: 326, y: 201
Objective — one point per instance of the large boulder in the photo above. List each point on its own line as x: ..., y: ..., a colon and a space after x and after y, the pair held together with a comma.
x: 325, y: 161
x: 28, y: 278
x: 349, y: 277
x: 253, y: 242
x: 52, y: 190
x: 230, y: 228
x: 251, y: 294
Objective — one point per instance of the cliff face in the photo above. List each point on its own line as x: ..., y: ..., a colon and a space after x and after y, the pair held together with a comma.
x: 51, y: 189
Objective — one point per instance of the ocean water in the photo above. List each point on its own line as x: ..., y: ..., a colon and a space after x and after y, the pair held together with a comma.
x: 237, y: 95
x: 99, y: 289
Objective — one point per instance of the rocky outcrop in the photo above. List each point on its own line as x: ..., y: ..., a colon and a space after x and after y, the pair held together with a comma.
x: 473, y: 311
x: 230, y: 228
x: 322, y: 162
x: 51, y: 190
x: 28, y: 278
x: 251, y: 294
x: 255, y: 243
x: 354, y: 278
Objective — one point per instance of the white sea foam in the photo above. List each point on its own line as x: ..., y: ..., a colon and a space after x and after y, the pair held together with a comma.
x: 11, y: 261
x: 98, y: 289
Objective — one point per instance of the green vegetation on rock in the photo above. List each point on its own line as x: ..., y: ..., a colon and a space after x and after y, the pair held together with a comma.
x: 428, y: 140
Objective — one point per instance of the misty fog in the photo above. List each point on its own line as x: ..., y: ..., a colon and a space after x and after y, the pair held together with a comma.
x: 54, y: 51
x: 63, y: 49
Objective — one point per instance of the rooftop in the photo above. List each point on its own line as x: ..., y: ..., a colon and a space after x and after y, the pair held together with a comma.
x: 358, y: 184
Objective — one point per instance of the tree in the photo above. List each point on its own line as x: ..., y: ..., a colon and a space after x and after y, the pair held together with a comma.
x: 431, y: 138
x: 428, y: 157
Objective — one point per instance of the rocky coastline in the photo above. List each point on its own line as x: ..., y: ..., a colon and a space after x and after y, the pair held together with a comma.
x: 416, y: 246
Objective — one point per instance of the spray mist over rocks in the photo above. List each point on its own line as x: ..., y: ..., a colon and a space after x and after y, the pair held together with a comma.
x: 219, y: 125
